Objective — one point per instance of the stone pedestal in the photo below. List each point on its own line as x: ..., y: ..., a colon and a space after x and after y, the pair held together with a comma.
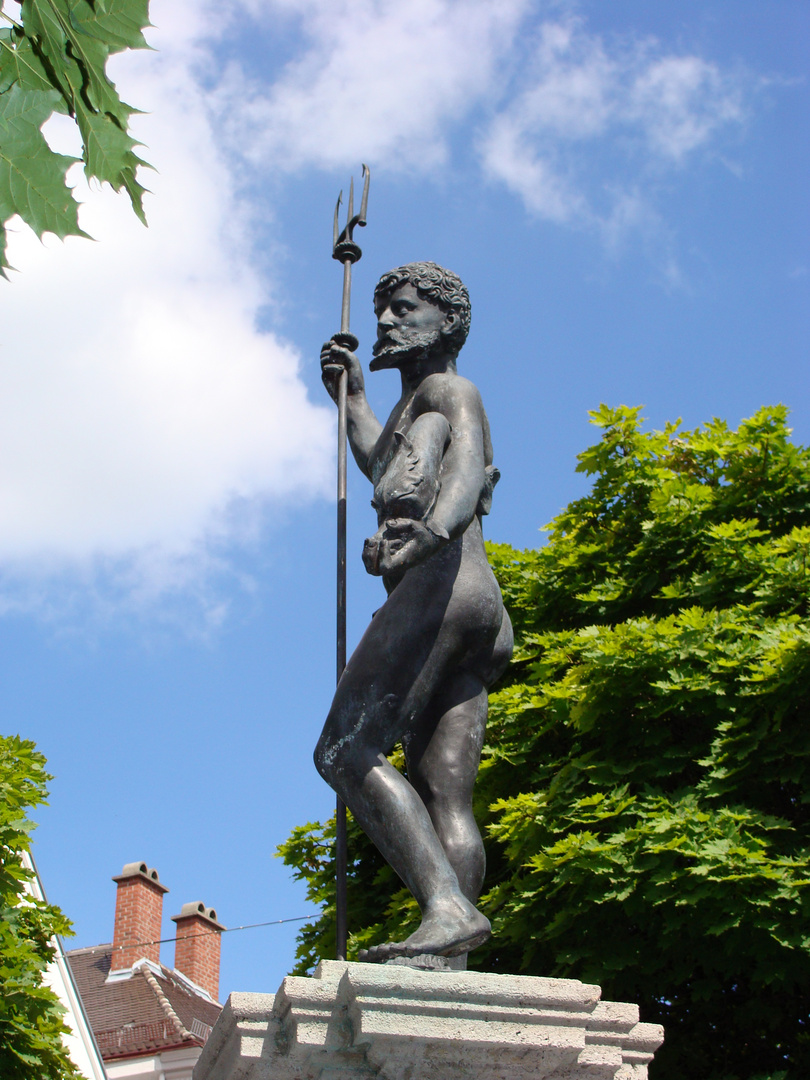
x: 360, y: 1021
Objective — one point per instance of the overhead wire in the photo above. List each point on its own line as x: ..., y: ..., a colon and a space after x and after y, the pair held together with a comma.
x: 203, y: 933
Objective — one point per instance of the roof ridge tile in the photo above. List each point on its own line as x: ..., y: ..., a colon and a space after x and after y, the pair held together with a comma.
x: 165, y: 1004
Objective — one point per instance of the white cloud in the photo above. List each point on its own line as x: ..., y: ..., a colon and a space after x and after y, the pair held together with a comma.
x: 592, y: 125
x: 139, y: 405
x: 377, y: 81
x: 510, y: 157
x: 138, y: 401
x: 578, y: 126
x: 681, y: 101
x: 570, y: 84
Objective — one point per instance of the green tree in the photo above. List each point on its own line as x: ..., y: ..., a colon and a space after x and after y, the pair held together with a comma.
x: 31, y: 1026
x: 645, y: 787
x: 53, y: 60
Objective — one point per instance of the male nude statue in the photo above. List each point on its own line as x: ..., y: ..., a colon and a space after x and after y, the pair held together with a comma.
x: 421, y: 671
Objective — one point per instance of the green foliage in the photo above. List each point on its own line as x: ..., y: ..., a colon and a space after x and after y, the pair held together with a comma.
x: 646, y: 785
x: 31, y: 1024
x: 54, y: 60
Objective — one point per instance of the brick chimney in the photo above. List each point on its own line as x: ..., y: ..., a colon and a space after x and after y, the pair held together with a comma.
x: 138, y: 914
x: 196, y: 952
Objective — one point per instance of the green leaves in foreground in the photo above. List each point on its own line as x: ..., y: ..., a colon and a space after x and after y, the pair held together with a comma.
x: 645, y: 787
x: 54, y: 60
x: 31, y: 1025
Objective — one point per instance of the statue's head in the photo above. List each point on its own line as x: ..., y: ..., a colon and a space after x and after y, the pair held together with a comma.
x: 441, y: 287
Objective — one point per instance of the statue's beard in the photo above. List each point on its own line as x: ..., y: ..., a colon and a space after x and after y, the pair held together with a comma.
x: 398, y: 346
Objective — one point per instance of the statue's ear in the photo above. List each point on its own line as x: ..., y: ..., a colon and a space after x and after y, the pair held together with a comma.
x: 450, y: 321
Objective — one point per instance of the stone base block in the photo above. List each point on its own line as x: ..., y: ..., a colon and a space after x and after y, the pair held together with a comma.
x: 364, y: 1021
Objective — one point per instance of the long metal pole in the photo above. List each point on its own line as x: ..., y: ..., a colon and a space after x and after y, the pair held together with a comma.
x: 341, y: 844
x: 346, y: 251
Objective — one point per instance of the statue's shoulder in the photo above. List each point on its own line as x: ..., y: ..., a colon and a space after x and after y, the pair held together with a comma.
x: 447, y: 392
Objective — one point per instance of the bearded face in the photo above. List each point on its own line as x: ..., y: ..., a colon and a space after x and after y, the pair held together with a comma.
x: 398, y: 345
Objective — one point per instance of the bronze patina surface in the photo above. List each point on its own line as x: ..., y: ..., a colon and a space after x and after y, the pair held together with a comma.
x: 421, y: 670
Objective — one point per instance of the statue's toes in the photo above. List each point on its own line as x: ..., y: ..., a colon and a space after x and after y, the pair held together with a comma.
x: 378, y: 954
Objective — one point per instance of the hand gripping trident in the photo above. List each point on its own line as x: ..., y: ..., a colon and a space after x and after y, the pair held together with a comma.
x: 346, y: 251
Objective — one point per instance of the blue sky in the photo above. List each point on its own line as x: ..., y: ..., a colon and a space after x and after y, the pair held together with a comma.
x: 623, y: 187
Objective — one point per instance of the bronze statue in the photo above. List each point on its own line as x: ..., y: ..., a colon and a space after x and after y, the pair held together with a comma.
x: 421, y: 670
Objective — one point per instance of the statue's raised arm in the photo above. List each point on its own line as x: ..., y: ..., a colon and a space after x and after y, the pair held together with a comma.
x: 421, y: 671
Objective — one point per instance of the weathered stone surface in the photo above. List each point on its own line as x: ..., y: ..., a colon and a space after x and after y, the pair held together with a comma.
x: 363, y: 1021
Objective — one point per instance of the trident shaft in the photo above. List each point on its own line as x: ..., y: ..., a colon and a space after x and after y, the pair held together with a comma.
x: 346, y: 251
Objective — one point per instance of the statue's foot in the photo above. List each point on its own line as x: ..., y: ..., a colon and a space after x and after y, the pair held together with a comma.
x: 448, y: 928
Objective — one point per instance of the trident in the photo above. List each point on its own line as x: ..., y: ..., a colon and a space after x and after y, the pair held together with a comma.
x: 346, y: 251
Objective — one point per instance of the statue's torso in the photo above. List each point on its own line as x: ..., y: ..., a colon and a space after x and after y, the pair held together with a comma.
x: 407, y: 473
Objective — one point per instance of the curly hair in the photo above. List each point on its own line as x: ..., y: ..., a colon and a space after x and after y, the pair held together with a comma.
x: 433, y: 282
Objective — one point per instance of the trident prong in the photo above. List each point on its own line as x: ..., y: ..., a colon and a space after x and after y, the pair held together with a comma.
x: 343, y: 246
x: 336, y: 227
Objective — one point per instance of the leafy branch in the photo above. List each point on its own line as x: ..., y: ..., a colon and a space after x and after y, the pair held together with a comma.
x: 31, y: 1015
x: 645, y: 786
x: 54, y: 60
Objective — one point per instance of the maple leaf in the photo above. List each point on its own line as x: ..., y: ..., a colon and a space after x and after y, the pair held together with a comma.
x: 54, y: 60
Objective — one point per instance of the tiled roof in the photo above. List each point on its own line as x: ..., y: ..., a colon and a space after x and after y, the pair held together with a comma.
x: 143, y: 1014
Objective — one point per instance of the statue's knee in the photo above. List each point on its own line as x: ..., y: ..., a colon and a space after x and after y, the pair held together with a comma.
x: 335, y: 759
x: 463, y: 845
x: 347, y: 750
x: 324, y: 760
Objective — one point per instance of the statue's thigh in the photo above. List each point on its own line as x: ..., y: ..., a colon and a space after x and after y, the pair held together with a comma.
x: 404, y: 658
x: 443, y: 749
